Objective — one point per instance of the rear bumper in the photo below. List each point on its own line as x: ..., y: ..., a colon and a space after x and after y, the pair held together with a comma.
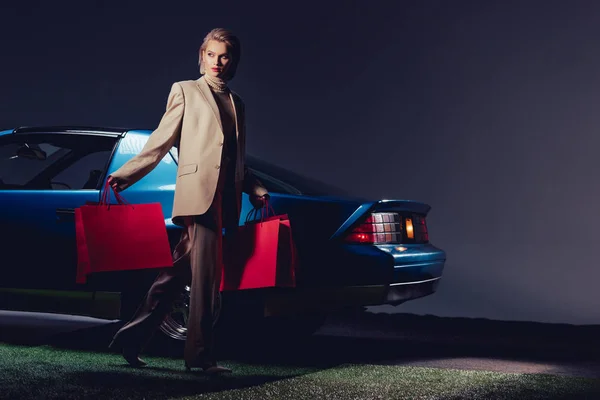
x: 351, y: 265
x: 415, y: 263
x: 299, y: 301
x: 358, y: 276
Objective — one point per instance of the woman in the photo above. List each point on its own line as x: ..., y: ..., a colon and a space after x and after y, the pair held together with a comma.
x: 205, y: 120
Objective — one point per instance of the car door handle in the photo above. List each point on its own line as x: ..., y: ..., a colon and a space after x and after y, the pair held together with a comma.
x: 65, y: 214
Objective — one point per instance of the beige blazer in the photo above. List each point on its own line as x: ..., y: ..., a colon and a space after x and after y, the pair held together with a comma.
x: 192, y: 123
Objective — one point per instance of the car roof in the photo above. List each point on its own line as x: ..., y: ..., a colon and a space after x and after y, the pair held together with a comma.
x: 68, y: 129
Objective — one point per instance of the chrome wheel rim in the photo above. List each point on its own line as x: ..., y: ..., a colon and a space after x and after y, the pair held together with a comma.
x: 175, y: 323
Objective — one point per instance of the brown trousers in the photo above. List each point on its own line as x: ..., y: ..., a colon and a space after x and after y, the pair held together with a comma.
x: 197, y: 262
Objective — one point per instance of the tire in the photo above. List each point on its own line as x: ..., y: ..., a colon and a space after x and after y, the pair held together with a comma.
x: 174, y: 326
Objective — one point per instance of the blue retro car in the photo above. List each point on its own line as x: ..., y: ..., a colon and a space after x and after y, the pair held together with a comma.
x: 352, y: 252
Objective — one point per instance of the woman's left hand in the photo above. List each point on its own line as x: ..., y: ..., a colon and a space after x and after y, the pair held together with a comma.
x: 259, y: 201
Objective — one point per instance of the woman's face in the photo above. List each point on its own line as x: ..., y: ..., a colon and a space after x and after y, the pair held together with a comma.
x: 216, y: 59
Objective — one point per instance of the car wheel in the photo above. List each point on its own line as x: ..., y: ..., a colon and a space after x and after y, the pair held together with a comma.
x: 174, y: 325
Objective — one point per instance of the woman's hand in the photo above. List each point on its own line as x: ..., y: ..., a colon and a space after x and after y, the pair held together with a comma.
x: 259, y: 201
x: 114, y: 183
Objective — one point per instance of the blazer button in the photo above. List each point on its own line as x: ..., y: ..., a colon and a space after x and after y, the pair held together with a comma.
x: 217, y: 166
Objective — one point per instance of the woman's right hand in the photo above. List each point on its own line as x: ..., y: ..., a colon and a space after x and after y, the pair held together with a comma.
x: 114, y: 183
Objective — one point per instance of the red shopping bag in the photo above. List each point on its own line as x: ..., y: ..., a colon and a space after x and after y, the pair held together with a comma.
x: 261, y: 254
x: 120, y: 237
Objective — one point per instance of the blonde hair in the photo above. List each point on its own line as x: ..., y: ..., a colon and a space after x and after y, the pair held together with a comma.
x: 233, y: 46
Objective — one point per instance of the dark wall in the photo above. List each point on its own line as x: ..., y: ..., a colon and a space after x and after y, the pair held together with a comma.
x: 484, y: 109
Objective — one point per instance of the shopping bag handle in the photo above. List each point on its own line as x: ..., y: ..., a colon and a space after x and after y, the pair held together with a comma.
x: 105, y: 197
x: 267, y: 207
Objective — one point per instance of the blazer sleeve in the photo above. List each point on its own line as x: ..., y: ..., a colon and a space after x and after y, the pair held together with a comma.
x: 159, y: 143
x: 251, y: 184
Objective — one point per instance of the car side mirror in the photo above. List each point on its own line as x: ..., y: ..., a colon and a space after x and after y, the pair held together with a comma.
x: 31, y: 153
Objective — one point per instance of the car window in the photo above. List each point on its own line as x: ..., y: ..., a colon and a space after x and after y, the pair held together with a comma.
x: 83, y: 173
x: 272, y: 184
x: 270, y: 174
x: 175, y: 154
x: 17, y: 170
x: 53, y: 161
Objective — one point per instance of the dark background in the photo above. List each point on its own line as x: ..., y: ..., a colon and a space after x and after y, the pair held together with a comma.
x: 486, y: 110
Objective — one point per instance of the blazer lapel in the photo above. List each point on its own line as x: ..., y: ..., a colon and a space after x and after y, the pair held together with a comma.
x: 208, y: 96
x: 236, y: 113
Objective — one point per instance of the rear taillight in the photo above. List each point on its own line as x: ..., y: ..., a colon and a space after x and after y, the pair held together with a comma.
x: 390, y: 228
x: 383, y: 227
x: 420, y: 229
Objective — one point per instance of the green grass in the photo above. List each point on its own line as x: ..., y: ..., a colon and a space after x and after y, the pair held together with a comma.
x: 31, y: 372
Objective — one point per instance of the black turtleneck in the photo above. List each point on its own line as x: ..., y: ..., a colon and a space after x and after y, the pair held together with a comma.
x: 228, y: 120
